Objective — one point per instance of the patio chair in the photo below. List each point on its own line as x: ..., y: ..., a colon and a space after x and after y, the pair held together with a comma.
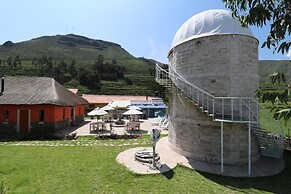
x: 165, y: 125
x: 163, y: 121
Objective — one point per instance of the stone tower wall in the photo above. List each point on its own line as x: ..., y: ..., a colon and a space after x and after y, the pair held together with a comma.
x: 194, y: 134
x: 225, y: 66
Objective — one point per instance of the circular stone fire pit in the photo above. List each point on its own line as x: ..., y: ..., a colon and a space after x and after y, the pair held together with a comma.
x: 146, y: 156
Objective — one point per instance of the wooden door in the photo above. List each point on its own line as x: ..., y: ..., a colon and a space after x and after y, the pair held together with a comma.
x: 24, y: 121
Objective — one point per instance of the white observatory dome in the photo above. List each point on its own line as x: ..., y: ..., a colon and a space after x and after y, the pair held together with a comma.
x: 207, y: 23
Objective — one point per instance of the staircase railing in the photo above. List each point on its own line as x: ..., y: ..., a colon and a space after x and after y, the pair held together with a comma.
x: 228, y: 109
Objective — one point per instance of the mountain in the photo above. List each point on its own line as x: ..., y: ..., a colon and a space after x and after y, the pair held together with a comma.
x: 138, y: 75
x: 268, y: 67
x: 64, y: 47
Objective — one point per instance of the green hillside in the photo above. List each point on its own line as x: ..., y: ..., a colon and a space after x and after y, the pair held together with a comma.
x: 137, y: 78
x: 64, y: 47
x: 268, y: 67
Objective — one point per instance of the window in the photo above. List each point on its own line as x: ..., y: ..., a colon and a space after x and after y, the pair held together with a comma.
x: 6, y: 115
x: 64, y: 113
x: 41, y: 116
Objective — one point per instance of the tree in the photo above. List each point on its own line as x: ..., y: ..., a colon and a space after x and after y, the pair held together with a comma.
x: 279, y: 94
x: 49, y: 64
x: 152, y: 71
x: 17, y: 62
x: 63, y: 67
x: 89, y: 78
x: 44, y: 66
x: 72, y: 69
x: 10, y: 62
x: 114, y: 62
x: 128, y: 81
x: 58, y: 75
x: 100, y: 60
x: 259, y: 13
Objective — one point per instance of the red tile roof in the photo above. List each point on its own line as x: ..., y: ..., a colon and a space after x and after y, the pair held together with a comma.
x: 19, y: 90
x: 104, y: 99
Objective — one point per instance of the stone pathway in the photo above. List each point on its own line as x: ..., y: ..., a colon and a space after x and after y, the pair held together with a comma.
x: 84, y: 142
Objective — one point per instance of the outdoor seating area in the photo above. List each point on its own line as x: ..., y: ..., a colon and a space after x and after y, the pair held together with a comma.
x: 132, y: 126
x: 106, y: 118
x: 110, y: 129
x: 97, y: 126
x: 124, y: 122
x: 134, y: 118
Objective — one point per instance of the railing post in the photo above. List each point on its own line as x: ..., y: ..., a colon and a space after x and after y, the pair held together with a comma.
x: 250, y: 111
x: 249, y: 138
x: 258, y: 114
x: 198, y: 97
x: 249, y: 152
x: 240, y: 109
x: 221, y: 147
x: 192, y: 94
x: 231, y: 101
x: 157, y: 74
x: 207, y: 104
x: 202, y: 100
x: 213, y: 108
x: 222, y: 109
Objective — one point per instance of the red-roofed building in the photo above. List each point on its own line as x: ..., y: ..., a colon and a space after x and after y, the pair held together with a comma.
x: 37, y: 105
x: 103, y: 100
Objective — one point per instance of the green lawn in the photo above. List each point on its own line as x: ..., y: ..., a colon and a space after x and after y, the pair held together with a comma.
x: 89, y: 166
x: 286, y: 127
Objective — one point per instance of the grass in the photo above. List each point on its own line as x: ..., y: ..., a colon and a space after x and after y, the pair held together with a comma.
x: 89, y: 166
x: 264, y: 122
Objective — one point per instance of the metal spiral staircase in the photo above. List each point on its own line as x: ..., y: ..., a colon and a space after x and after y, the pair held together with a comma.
x: 243, y: 110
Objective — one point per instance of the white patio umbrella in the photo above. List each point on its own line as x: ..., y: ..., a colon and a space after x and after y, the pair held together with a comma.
x: 97, y: 112
x: 107, y: 108
x: 132, y: 112
x: 134, y: 107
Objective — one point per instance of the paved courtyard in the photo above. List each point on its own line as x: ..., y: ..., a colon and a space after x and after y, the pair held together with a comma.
x: 84, y: 128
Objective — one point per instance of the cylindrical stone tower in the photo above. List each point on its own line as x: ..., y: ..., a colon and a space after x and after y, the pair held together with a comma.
x: 213, y: 52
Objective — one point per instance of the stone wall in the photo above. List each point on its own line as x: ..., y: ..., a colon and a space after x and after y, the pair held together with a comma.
x: 193, y: 134
x: 223, y: 65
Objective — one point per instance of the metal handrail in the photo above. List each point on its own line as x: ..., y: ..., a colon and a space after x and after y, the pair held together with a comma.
x: 201, y: 94
x: 220, y: 108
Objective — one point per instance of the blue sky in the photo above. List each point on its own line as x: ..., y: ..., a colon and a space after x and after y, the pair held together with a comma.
x: 145, y: 28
